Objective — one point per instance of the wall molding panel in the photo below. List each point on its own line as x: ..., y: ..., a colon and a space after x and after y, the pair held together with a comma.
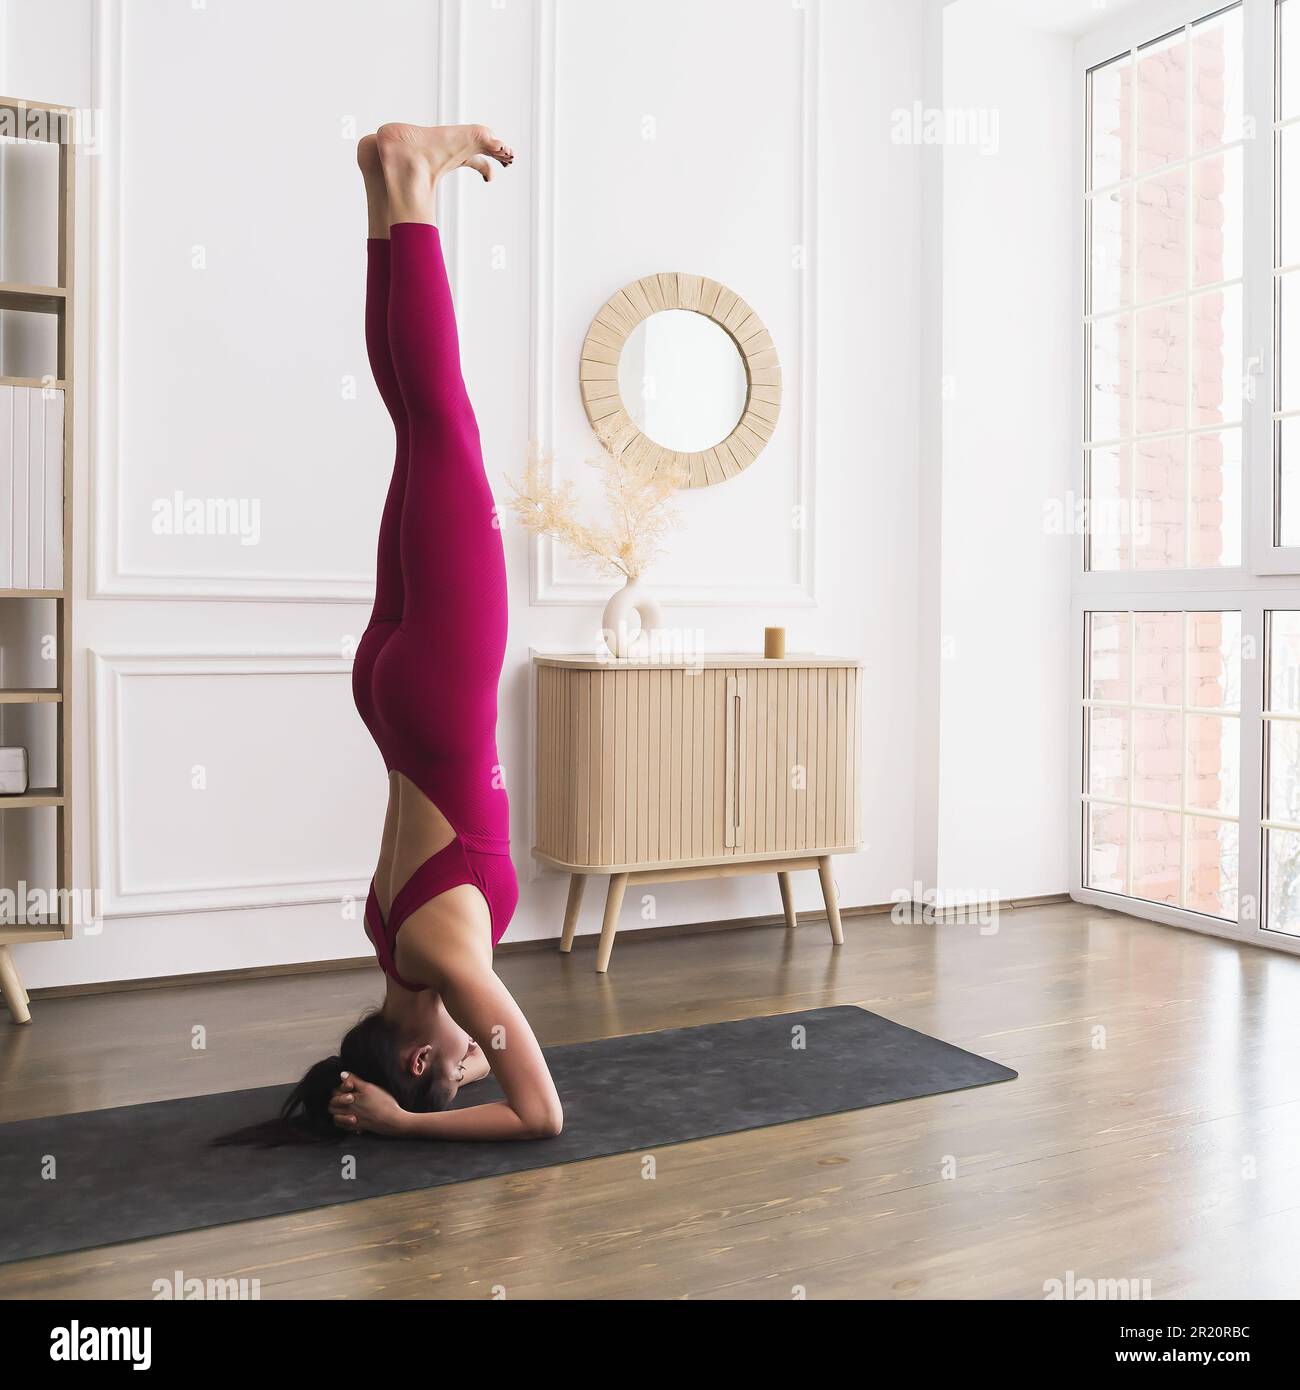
x: 800, y: 590
x: 113, y: 823
x: 111, y: 575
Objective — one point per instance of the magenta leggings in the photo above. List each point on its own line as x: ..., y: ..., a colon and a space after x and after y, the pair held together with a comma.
x: 426, y: 670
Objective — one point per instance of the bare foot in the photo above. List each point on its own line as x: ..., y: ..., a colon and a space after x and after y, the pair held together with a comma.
x: 431, y: 151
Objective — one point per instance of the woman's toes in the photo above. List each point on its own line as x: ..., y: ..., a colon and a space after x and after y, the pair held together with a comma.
x: 480, y: 166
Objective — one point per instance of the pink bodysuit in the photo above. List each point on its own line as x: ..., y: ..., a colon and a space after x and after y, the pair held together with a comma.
x: 426, y: 670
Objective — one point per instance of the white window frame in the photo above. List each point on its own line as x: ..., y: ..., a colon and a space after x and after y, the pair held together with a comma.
x: 1269, y: 576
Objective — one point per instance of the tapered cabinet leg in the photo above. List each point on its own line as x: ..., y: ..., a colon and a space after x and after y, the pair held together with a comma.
x: 828, y: 893
x: 11, y: 986
x: 613, y: 904
x: 577, y: 882
x: 787, y: 899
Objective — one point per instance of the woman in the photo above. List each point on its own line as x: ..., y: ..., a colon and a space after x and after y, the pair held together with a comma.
x: 425, y: 682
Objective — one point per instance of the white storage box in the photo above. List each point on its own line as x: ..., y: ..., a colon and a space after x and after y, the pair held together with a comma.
x: 13, y: 771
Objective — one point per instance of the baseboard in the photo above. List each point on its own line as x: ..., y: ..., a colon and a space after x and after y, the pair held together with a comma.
x: 586, y: 941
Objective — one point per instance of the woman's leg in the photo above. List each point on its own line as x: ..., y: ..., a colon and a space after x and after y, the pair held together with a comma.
x: 447, y: 660
x: 387, y: 612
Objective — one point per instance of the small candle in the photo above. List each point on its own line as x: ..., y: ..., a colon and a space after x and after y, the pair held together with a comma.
x: 774, y: 643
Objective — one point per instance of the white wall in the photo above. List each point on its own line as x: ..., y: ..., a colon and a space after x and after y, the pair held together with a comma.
x: 1008, y: 275
x: 228, y: 144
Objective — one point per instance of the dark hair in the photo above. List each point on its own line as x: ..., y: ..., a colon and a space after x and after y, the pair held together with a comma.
x: 370, y: 1049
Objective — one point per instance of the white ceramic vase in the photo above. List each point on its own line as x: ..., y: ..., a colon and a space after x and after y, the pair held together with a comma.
x: 619, y: 627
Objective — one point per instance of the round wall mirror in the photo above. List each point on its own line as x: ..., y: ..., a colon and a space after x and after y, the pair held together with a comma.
x: 679, y: 371
x: 682, y: 380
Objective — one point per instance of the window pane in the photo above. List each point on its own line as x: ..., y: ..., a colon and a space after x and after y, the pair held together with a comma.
x: 1283, y: 770
x: 1157, y: 856
x: 1109, y: 664
x: 1158, y: 757
x: 1162, y: 103
x: 1214, y: 678
x: 1288, y: 195
x: 1288, y: 15
x: 1288, y: 481
x: 1288, y: 366
x: 1218, y: 70
x: 1213, y: 763
x: 1108, y: 753
x: 1216, y: 217
x: 1162, y: 235
x: 1216, y: 498
x: 1159, y: 657
x: 1110, y: 240
x: 1108, y: 848
x: 1161, y: 368
x: 1111, y: 93
x: 1216, y: 357
x: 1160, y: 490
x: 1110, y: 399
x: 1283, y: 852
x: 1284, y: 663
x: 1212, y: 867
x: 1115, y: 520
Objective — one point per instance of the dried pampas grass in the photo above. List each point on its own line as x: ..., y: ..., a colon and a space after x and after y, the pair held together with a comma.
x: 636, y: 497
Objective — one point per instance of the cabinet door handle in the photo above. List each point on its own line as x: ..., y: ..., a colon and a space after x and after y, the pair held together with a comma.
x: 734, y: 743
x: 729, y: 753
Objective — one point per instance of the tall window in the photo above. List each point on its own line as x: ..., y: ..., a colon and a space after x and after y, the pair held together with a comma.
x: 1188, y: 609
x: 1286, y: 277
x: 1163, y: 301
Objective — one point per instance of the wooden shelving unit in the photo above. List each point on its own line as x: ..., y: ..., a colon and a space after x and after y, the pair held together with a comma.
x: 54, y: 124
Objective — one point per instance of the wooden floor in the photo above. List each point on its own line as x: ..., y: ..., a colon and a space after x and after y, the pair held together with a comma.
x: 1153, y: 1133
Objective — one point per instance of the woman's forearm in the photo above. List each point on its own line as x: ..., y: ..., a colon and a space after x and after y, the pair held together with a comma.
x: 492, y: 1121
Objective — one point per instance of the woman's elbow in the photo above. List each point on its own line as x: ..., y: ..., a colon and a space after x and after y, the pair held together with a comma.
x: 545, y: 1123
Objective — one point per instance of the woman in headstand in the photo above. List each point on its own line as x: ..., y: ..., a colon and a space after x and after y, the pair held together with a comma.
x: 425, y: 682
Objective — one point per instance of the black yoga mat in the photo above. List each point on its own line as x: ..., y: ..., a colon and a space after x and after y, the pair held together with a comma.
x: 146, y: 1170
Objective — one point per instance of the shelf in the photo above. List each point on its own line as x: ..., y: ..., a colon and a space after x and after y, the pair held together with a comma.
x: 37, y: 299
x: 60, y: 116
x: 16, y: 933
x: 35, y: 382
x: 34, y: 796
x: 30, y: 695
x: 33, y: 593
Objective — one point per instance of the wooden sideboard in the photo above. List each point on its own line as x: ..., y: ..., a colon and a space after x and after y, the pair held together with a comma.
x: 655, y: 771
